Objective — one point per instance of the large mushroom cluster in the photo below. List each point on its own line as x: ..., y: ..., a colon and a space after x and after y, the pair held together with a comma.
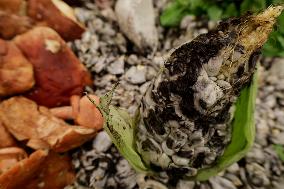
x: 41, y: 83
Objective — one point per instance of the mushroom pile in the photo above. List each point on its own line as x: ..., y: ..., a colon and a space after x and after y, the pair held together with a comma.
x: 41, y: 83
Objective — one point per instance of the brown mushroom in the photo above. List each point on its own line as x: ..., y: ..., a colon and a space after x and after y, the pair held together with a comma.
x: 6, y: 139
x: 82, y: 111
x: 12, y: 6
x: 9, y: 157
x: 12, y: 24
x: 16, y: 72
x: 27, y: 121
x: 17, y: 176
x: 57, y: 15
x: 56, y: 173
x: 58, y: 72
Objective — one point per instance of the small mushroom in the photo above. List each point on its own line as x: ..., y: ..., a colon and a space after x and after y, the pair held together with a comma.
x: 137, y: 20
x: 82, y: 111
x: 57, y: 15
x: 16, y: 72
x: 58, y: 72
x: 27, y: 121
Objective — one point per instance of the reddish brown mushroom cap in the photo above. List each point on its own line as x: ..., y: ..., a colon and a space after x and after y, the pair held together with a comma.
x: 57, y: 15
x: 12, y: 24
x: 58, y: 72
x: 16, y: 72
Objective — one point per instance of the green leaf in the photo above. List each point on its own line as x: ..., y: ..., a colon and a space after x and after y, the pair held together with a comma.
x: 243, y: 132
x: 120, y: 127
x: 279, y: 149
x: 173, y: 14
x: 214, y: 13
x: 230, y: 10
x: 252, y: 5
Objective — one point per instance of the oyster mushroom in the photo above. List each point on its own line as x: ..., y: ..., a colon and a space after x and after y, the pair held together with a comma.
x: 57, y: 15
x: 16, y: 72
x: 137, y: 21
x: 58, y: 72
x: 27, y: 121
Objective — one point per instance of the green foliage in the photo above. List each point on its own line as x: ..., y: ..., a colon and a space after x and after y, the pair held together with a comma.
x: 217, y: 9
x: 279, y: 149
x: 121, y: 128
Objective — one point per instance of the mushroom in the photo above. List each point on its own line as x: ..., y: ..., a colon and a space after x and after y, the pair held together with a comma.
x: 56, y: 172
x: 82, y: 111
x: 27, y: 121
x: 16, y: 72
x: 12, y: 6
x: 12, y: 24
x: 57, y: 15
x: 9, y: 157
x: 17, y: 176
x: 6, y: 139
x: 58, y: 72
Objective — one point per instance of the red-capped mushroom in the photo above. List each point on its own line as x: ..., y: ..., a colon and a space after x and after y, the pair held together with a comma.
x: 58, y: 72
x: 57, y: 15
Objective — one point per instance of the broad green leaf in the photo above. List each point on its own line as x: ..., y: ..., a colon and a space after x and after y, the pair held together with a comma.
x: 279, y: 149
x: 243, y: 132
x: 119, y: 127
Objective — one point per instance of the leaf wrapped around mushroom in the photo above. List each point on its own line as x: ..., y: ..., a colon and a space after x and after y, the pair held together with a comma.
x: 196, y: 117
